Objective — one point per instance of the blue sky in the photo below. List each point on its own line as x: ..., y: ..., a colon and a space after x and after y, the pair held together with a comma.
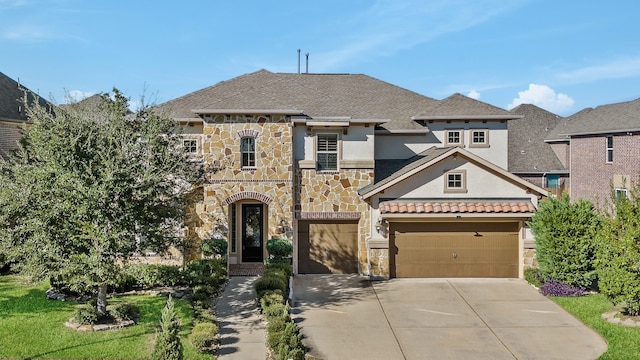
x: 560, y: 55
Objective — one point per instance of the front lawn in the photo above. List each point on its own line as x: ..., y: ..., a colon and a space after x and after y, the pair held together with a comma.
x: 33, y: 327
x: 624, y: 342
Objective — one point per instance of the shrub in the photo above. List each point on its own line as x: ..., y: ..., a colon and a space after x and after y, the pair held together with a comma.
x: 565, y: 246
x: 619, y: 253
x: 283, y: 268
x: 167, y: 345
x: 270, y: 282
x: 555, y: 288
x: 204, y: 336
x: 149, y: 275
x: 124, y: 311
x: 201, y: 296
x: 271, y: 297
x: 86, y: 314
x: 533, y: 276
x: 214, y: 246
x: 279, y: 248
x: 276, y: 310
x: 205, y: 272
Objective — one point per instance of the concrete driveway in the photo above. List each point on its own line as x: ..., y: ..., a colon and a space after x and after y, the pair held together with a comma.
x: 349, y: 317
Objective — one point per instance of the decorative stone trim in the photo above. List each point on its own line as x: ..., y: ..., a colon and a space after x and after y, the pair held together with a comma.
x: 71, y: 324
x: 325, y: 215
x: 249, y: 133
x: 612, y: 317
x: 253, y: 195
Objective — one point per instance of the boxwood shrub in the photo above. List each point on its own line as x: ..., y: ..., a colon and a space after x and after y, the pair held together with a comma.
x: 204, y: 336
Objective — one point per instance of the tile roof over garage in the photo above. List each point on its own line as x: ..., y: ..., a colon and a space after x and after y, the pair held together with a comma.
x: 316, y: 95
x: 462, y: 206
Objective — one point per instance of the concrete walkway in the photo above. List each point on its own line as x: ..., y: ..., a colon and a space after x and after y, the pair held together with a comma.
x: 349, y: 317
x: 242, y: 329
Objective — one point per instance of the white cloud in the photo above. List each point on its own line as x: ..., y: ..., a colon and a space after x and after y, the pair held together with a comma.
x: 619, y: 68
x: 544, y: 97
x: 474, y: 94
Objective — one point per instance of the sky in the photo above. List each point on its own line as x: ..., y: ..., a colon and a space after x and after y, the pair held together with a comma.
x: 563, y: 56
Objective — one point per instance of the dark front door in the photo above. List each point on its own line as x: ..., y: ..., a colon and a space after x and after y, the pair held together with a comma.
x: 252, y: 233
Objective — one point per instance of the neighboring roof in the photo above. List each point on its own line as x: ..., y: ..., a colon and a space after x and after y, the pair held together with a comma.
x: 11, y: 99
x: 460, y: 107
x: 604, y: 119
x: 432, y: 156
x: 528, y: 153
x: 353, y: 96
x: 456, y: 207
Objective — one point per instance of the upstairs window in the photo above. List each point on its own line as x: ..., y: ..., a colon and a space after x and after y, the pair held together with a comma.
x: 609, y: 149
x: 248, y: 151
x: 327, y: 152
x: 190, y: 146
x: 479, y: 138
x: 454, y: 137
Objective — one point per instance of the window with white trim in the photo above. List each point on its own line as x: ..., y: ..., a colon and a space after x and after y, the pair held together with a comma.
x: 454, y: 137
x: 190, y: 146
x: 479, y: 138
x: 621, y: 193
x: 248, y: 151
x: 609, y: 149
x: 455, y: 181
x: 327, y: 152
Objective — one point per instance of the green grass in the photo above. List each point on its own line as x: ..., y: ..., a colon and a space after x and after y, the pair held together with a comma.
x: 33, y: 327
x: 624, y: 342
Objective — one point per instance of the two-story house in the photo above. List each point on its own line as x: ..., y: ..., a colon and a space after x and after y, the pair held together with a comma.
x: 602, y: 148
x: 361, y: 175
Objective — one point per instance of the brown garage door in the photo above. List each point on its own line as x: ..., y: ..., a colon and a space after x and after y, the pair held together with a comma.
x: 327, y: 247
x: 454, y: 250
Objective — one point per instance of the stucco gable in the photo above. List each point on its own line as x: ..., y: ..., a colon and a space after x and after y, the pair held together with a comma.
x: 432, y: 159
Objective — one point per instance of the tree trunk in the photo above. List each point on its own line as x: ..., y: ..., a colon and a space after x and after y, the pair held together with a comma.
x: 102, y: 300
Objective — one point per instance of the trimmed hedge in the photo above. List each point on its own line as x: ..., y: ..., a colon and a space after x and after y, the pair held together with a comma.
x: 204, y: 336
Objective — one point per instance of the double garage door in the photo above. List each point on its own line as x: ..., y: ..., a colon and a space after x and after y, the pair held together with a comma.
x: 327, y: 247
x: 454, y: 249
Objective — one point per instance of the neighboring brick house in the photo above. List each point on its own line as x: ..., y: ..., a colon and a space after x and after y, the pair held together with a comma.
x: 337, y: 163
x: 12, y: 113
x: 530, y: 157
x: 604, y: 150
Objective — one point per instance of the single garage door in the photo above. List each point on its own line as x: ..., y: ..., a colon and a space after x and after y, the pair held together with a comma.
x: 454, y: 249
x: 327, y: 247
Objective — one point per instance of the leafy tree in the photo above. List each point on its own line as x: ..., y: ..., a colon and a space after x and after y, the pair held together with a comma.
x: 168, y: 345
x: 618, y: 260
x: 565, y: 240
x: 89, y: 186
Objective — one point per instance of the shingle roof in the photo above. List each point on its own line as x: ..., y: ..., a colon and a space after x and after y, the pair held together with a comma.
x: 618, y: 117
x: 11, y: 99
x: 460, y: 106
x: 462, y: 206
x: 389, y: 170
x: 528, y: 153
x: 317, y: 95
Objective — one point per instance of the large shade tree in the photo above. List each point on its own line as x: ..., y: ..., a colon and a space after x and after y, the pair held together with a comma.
x: 90, y: 186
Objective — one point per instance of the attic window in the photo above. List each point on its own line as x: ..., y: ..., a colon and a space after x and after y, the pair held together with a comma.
x: 455, y: 181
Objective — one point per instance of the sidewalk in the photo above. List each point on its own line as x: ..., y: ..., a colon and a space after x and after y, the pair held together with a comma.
x: 242, y: 329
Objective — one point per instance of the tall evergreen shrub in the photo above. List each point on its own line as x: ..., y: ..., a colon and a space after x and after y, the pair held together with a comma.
x: 168, y: 345
x: 565, y: 235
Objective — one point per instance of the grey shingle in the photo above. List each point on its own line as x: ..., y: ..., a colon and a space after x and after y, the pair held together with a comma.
x: 528, y: 153
x: 462, y: 106
x: 610, y: 118
x: 318, y: 95
x: 11, y: 99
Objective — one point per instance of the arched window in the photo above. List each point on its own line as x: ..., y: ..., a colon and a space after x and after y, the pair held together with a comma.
x: 248, y: 151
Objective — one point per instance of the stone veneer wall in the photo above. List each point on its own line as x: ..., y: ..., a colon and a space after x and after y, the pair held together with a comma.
x: 335, y: 195
x: 270, y: 182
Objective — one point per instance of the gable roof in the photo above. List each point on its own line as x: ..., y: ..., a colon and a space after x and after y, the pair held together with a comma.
x: 611, y: 118
x: 11, y: 99
x: 528, y: 153
x: 434, y: 155
x: 458, y: 106
x: 356, y: 96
